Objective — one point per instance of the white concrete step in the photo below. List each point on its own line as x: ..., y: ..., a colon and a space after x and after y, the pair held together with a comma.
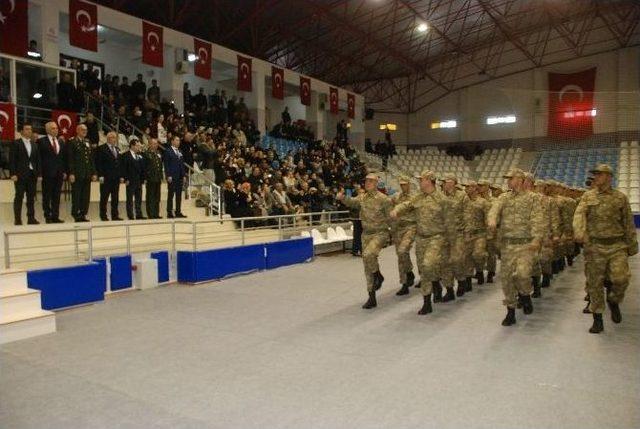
x: 12, y: 305
x: 13, y: 281
x: 29, y: 325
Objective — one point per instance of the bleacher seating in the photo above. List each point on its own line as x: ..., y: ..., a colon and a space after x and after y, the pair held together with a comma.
x: 572, y: 166
x: 629, y: 172
x: 413, y: 161
x: 282, y: 146
x: 494, y: 163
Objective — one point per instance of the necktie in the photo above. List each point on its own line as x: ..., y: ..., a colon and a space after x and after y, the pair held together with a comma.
x: 113, y: 151
x: 55, y: 145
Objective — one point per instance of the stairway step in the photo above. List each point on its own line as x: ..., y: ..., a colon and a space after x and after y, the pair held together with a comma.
x: 13, y: 281
x: 26, y: 326
x: 19, y: 304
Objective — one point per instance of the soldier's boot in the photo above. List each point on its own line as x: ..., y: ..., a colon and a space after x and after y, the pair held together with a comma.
x: 511, y: 317
x: 371, y: 303
x: 570, y: 260
x: 449, y: 296
x: 404, y: 290
x: 437, y: 291
x: 480, y: 277
x: 546, y: 280
x: 535, y: 281
x: 426, y: 306
x: 461, y: 288
x: 616, y: 316
x: 410, y: 278
x: 519, y: 304
x: 598, y: 325
x: 527, y: 305
x: 418, y: 285
x: 562, y: 264
x: 377, y: 280
x: 586, y: 298
x: 586, y: 309
x: 490, y: 276
x: 468, y: 287
x: 555, y: 267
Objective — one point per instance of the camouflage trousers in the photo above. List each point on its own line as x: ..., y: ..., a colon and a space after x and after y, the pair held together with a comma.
x: 454, y: 266
x: 478, y: 248
x: 545, y: 257
x: 569, y: 246
x: 606, y: 261
x: 515, y: 271
x: 492, y: 254
x: 403, y: 238
x: 372, y: 244
x: 430, y: 252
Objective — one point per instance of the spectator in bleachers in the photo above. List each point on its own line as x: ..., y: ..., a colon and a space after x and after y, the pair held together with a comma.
x: 200, y: 100
x: 125, y: 91
x: 93, y: 132
x: 153, y: 93
x: 286, y: 117
x: 138, y: 89
x: 65, y: 92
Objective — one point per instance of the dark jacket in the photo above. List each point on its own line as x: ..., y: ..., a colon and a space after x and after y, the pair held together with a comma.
x: 52, y: 164
x: 80, y: 156
x: 19, y: 159
x: 132, y: 169
x: 153, y: 167
x: 107, y: 165
x: 173, y: 164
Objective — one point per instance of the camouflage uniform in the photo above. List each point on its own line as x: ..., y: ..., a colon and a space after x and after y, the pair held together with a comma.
x: 552, y: 229
x: 455, y: 264
x: 403, y: 233
x: 477, y: 223
x: 492, y: 245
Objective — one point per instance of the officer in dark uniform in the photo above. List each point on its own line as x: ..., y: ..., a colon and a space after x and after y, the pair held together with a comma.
x: 82, y: 172
x: 153, y: 175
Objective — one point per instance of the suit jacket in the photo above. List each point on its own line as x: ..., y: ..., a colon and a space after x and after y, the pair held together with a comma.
x: 52, y: 164
x: 173, y: 164
x: 81, y: 163
x: 131, y: 169
x: 19, y: 159
x: 153, y: 166
x: 107, y: 165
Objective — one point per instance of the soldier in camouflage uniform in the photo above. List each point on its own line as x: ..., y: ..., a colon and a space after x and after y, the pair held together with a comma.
x: 492, y: 246
x: 570, y: 245
x: 604, y: 223
x: 374, y: 212
x: 552, y: 231
x: 153, y: 168
x: 477, y: 223
x: 536, y: 273
x: 403, y: 232
x: 521, y: 224
x: 82, y: 171
x: 430, y: 208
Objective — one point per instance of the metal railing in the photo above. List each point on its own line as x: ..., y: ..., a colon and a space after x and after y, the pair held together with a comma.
x: 48, y: 246
x: 199, y: 180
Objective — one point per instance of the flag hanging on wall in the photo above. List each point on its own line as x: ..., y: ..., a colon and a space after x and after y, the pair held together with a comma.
x: 351, y: 106
x: 202, y: 68
x: 244, y: 73
x: 66, y: 121
x: 14, y: 27
x: 305, y: 91
x: 152, y: 44
x: 571, y: 108
x: 333, y: 100
x: 277, y: 83
x: 7, y: 121
x: 83, y: 25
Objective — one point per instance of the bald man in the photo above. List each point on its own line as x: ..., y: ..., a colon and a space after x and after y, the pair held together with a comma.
x: 53, y: 162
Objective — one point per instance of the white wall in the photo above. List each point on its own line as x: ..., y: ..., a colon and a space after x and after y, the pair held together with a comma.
x: 399, y: 137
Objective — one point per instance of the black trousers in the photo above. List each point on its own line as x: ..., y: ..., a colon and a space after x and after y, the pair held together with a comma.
x: 357, y: 236
x: 24, y: 185
x: 80, y: 194
x: 174, y: 191
x: 51, y: 189
x: 109, y: 190
x: 134, y: 198
x: 153, y: 199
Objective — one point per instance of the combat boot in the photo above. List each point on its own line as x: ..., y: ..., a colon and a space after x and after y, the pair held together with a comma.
x: 404, y: 290
x: 511, y: 317
x: 562, y: 264
x: 535, y: 281
x: 461, y: 288
x: 570, y: 261
x: 426, y: 306
x: 586, y: 309
x: 480, y: 277
x: 519, y: 304
x: 546, y: 280
x: 468, y: 287
x: 597, y: 326
x: 490, y: 276
x: 371, y: 303
x: 527, y: 305
x: 437, y: 291
x: 418, y: 285
x: 377, y: 280
x: 449, y: 296
x: 554, y: 267
x: 410, y: 278
x: 616, y: 316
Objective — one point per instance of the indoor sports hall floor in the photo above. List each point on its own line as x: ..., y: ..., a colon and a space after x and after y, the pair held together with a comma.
x: 291, y: 348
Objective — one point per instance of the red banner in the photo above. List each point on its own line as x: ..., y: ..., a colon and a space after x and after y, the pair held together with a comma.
x: 7, y: 121
x: 66, y: 121
x: 202, y: 67
x: 333, y: 100
x: 277, y: 83
x: 571, y: 108
x: 14, y: 27
x: 152, y: 44
x: 305, y: 91
x: 351, y: 106
x: 83, y: 25
x: 244, y: 73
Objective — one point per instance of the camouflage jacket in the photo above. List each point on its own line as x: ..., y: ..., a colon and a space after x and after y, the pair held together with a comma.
x: 374, y: 210
x: 518, y: 216
x: 431, y: 211
x: 406, y: 219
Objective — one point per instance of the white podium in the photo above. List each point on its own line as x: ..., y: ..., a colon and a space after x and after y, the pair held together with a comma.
x: 146, y: 273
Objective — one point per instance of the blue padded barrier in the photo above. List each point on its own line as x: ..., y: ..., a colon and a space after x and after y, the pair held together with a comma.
x: 121, y: 276
x: 636, y: 220
x: 288, y: 252
x: 68, y: 286
x: 163, y: 265
x: 215, y: 264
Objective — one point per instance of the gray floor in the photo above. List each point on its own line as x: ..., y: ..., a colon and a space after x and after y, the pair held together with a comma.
x: 291, y: 348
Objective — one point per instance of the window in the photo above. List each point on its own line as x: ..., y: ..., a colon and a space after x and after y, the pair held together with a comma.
x: 493, y: 120
x: 444, y: 124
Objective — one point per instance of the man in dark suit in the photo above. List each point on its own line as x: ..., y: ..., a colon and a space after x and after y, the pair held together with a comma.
x: 108, y: 168
x: 53, y: 162
x: 82, y: 172
x: 174, y: 170
x: 24, y: 167
x: 132, y: 171
x: 153, y: 178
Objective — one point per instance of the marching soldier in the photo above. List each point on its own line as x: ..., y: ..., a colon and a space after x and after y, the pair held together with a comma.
x: 604, y: 223
x: 536, y: 272
x: 552, y: 231
x: 374, y: 212
x: 153, y: 177
x: 492, y: 248
x: 82, y: 172
x: 403, y: 232
x: 477, y: 223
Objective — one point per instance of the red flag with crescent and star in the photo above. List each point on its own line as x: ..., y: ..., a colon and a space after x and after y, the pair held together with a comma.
x: 351, y: 106
x: 83, y: 25
x: 202, y: 67
x: 66, y: 121
x: 305, y: 91
x: 244, y: 73
x: 7, y: 121
x: 333, y: 100
x: 277, y: 83
x: 571, y: 108
x: 152, y: 44
x: 14, y: 27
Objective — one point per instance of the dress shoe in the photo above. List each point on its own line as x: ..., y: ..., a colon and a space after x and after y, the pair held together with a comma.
x: 17, y: 223
x: 426, y: 306
x: 598, y: 325
x: 116, y: 218
x: 170, y: 216
x: 180, y: 215
x: 141, y: 218
x: 57, y: 220
x: 104, y: 218
x: 33, y: 221
x: 510, y: 319
x: 371, y: 302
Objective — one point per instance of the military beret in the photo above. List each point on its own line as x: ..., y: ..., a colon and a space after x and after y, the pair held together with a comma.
x: 427, y: 174
x: 450, y: 176
x: 403, y: 179
x: 514, y: 172
x: 602, y: 168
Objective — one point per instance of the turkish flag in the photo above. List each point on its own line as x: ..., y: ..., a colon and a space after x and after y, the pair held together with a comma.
x: 83, y: 25
x: 14, y: 27
x: 244, y: 73
x: 202, y: 67
x: 305, y: 91
x: 571, y: 108
x: 66, y: 121
x: 333, y: 100
x: 351, y: 106
x: 7, y: 121
x: 152, y: 44
x: 277, y: 83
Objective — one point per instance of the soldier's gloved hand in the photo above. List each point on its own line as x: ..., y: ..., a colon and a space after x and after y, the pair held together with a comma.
x: 632, y: 249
